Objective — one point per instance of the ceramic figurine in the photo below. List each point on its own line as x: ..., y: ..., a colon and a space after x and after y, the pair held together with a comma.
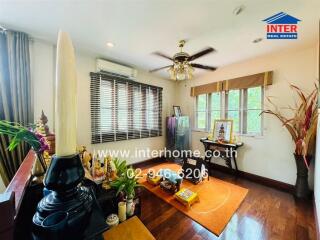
x: 47, y: 158
x: 98, y: 173
x: 86, y: 157
x: 112, y: 220
x: 110, y: 169
x: 43, y: 129
x: 107, y: 166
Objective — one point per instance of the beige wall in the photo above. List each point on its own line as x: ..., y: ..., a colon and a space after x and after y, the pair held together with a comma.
x: 43, y: 59
x: 269, y: 155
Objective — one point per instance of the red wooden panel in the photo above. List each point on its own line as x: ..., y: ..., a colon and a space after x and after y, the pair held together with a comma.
x: 21, y: 179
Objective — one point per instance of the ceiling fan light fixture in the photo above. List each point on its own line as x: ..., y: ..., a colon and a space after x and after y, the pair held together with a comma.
x: 189, y: 71
x: 181, y: 76
x: 181, y: 71
x: 182, y: 67
x: 172, y: 73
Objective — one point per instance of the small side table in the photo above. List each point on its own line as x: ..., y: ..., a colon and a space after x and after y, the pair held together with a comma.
x: 227, y: 151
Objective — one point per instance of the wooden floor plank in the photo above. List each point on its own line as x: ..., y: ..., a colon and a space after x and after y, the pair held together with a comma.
x: 265, y: 213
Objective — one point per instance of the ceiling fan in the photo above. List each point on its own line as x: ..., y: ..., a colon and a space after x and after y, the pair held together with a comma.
x: 182, y: 68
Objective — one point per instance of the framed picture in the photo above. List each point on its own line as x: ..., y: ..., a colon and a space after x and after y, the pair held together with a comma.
x: 177, y: 111
x: 222, y: 130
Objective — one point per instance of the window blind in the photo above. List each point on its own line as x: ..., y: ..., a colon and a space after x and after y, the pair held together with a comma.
x: 123, y: 109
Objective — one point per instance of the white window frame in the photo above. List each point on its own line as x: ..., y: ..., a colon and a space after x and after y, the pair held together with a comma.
x: 196, y: 115
x: 224, y: 110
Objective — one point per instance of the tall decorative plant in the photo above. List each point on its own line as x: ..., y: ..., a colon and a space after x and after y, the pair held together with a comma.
x: 302, y: 126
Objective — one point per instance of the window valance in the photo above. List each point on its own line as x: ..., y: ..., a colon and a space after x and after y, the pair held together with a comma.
x: 207, y: 88
x: 255, y: 80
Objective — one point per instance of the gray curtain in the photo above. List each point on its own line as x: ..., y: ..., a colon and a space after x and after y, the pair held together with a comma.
x: 15, y: 95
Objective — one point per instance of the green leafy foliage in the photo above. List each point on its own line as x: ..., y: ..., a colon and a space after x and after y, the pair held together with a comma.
x: 18, y: 134
x: 121, y: 166
x: 127, y: 183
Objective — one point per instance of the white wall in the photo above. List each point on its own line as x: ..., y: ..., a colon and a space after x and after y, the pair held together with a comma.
x: 43, y: 60
x: 42, y: 75
x: 270, y: 155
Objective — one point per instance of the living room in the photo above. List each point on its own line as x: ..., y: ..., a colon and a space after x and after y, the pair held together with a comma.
x: 122, y: 86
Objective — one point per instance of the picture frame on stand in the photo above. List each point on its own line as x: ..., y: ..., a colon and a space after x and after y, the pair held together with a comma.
x: 222, y: 130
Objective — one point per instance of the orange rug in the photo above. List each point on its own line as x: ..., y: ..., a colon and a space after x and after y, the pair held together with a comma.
x: 218, y: 199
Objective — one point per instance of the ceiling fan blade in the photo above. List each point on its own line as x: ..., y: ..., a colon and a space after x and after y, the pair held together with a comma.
x: 162, y: 55
x: 196, y: 65
x: 157, y: 69
x: 201, y: 53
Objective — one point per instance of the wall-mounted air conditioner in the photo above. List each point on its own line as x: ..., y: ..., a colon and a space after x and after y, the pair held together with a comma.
x: 107, y: 66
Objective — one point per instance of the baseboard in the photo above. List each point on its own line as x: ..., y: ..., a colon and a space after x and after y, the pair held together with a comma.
x: 316, y: 219
x: 148, y: 162
x: 256, y: 178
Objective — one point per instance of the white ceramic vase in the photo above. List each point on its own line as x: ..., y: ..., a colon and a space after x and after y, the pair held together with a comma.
x: 130, y: 207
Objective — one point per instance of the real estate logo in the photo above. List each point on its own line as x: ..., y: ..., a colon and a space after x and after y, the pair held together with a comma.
x: 282, y: 26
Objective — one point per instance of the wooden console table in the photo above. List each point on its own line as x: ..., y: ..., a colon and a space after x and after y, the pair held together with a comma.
x: 227, y: 151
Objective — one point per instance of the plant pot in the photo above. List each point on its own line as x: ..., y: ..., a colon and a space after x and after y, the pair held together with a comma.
x: 130, y: 207
x: 301, y: 187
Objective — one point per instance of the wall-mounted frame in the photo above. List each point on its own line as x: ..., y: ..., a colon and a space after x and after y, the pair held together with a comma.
x: 222, y: 130
x: 177, y: 111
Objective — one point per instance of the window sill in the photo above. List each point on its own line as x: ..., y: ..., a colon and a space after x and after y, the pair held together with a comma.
x: 257, y: 136
x: 200, y: 130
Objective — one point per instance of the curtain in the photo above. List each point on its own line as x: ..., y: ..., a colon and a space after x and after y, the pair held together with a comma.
x: 15, y: 96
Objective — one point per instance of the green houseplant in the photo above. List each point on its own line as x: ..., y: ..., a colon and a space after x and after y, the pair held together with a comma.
x: 121, y: 166
x: 302, y: 126
x: 126, y: 184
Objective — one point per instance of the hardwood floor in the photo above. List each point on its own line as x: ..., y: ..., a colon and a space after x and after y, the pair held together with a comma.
x: 266, y: 213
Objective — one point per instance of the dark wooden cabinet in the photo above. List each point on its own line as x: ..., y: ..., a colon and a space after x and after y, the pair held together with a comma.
x: 226, y: 151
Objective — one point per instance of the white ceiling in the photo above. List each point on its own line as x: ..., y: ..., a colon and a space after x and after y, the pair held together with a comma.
x: 140, y: 27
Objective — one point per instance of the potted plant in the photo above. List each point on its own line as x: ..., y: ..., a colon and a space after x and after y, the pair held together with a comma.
x: 126, y: 184
x: 302, y: 126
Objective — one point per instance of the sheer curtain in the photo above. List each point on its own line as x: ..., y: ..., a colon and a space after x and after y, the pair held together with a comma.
x: 15, y: 95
